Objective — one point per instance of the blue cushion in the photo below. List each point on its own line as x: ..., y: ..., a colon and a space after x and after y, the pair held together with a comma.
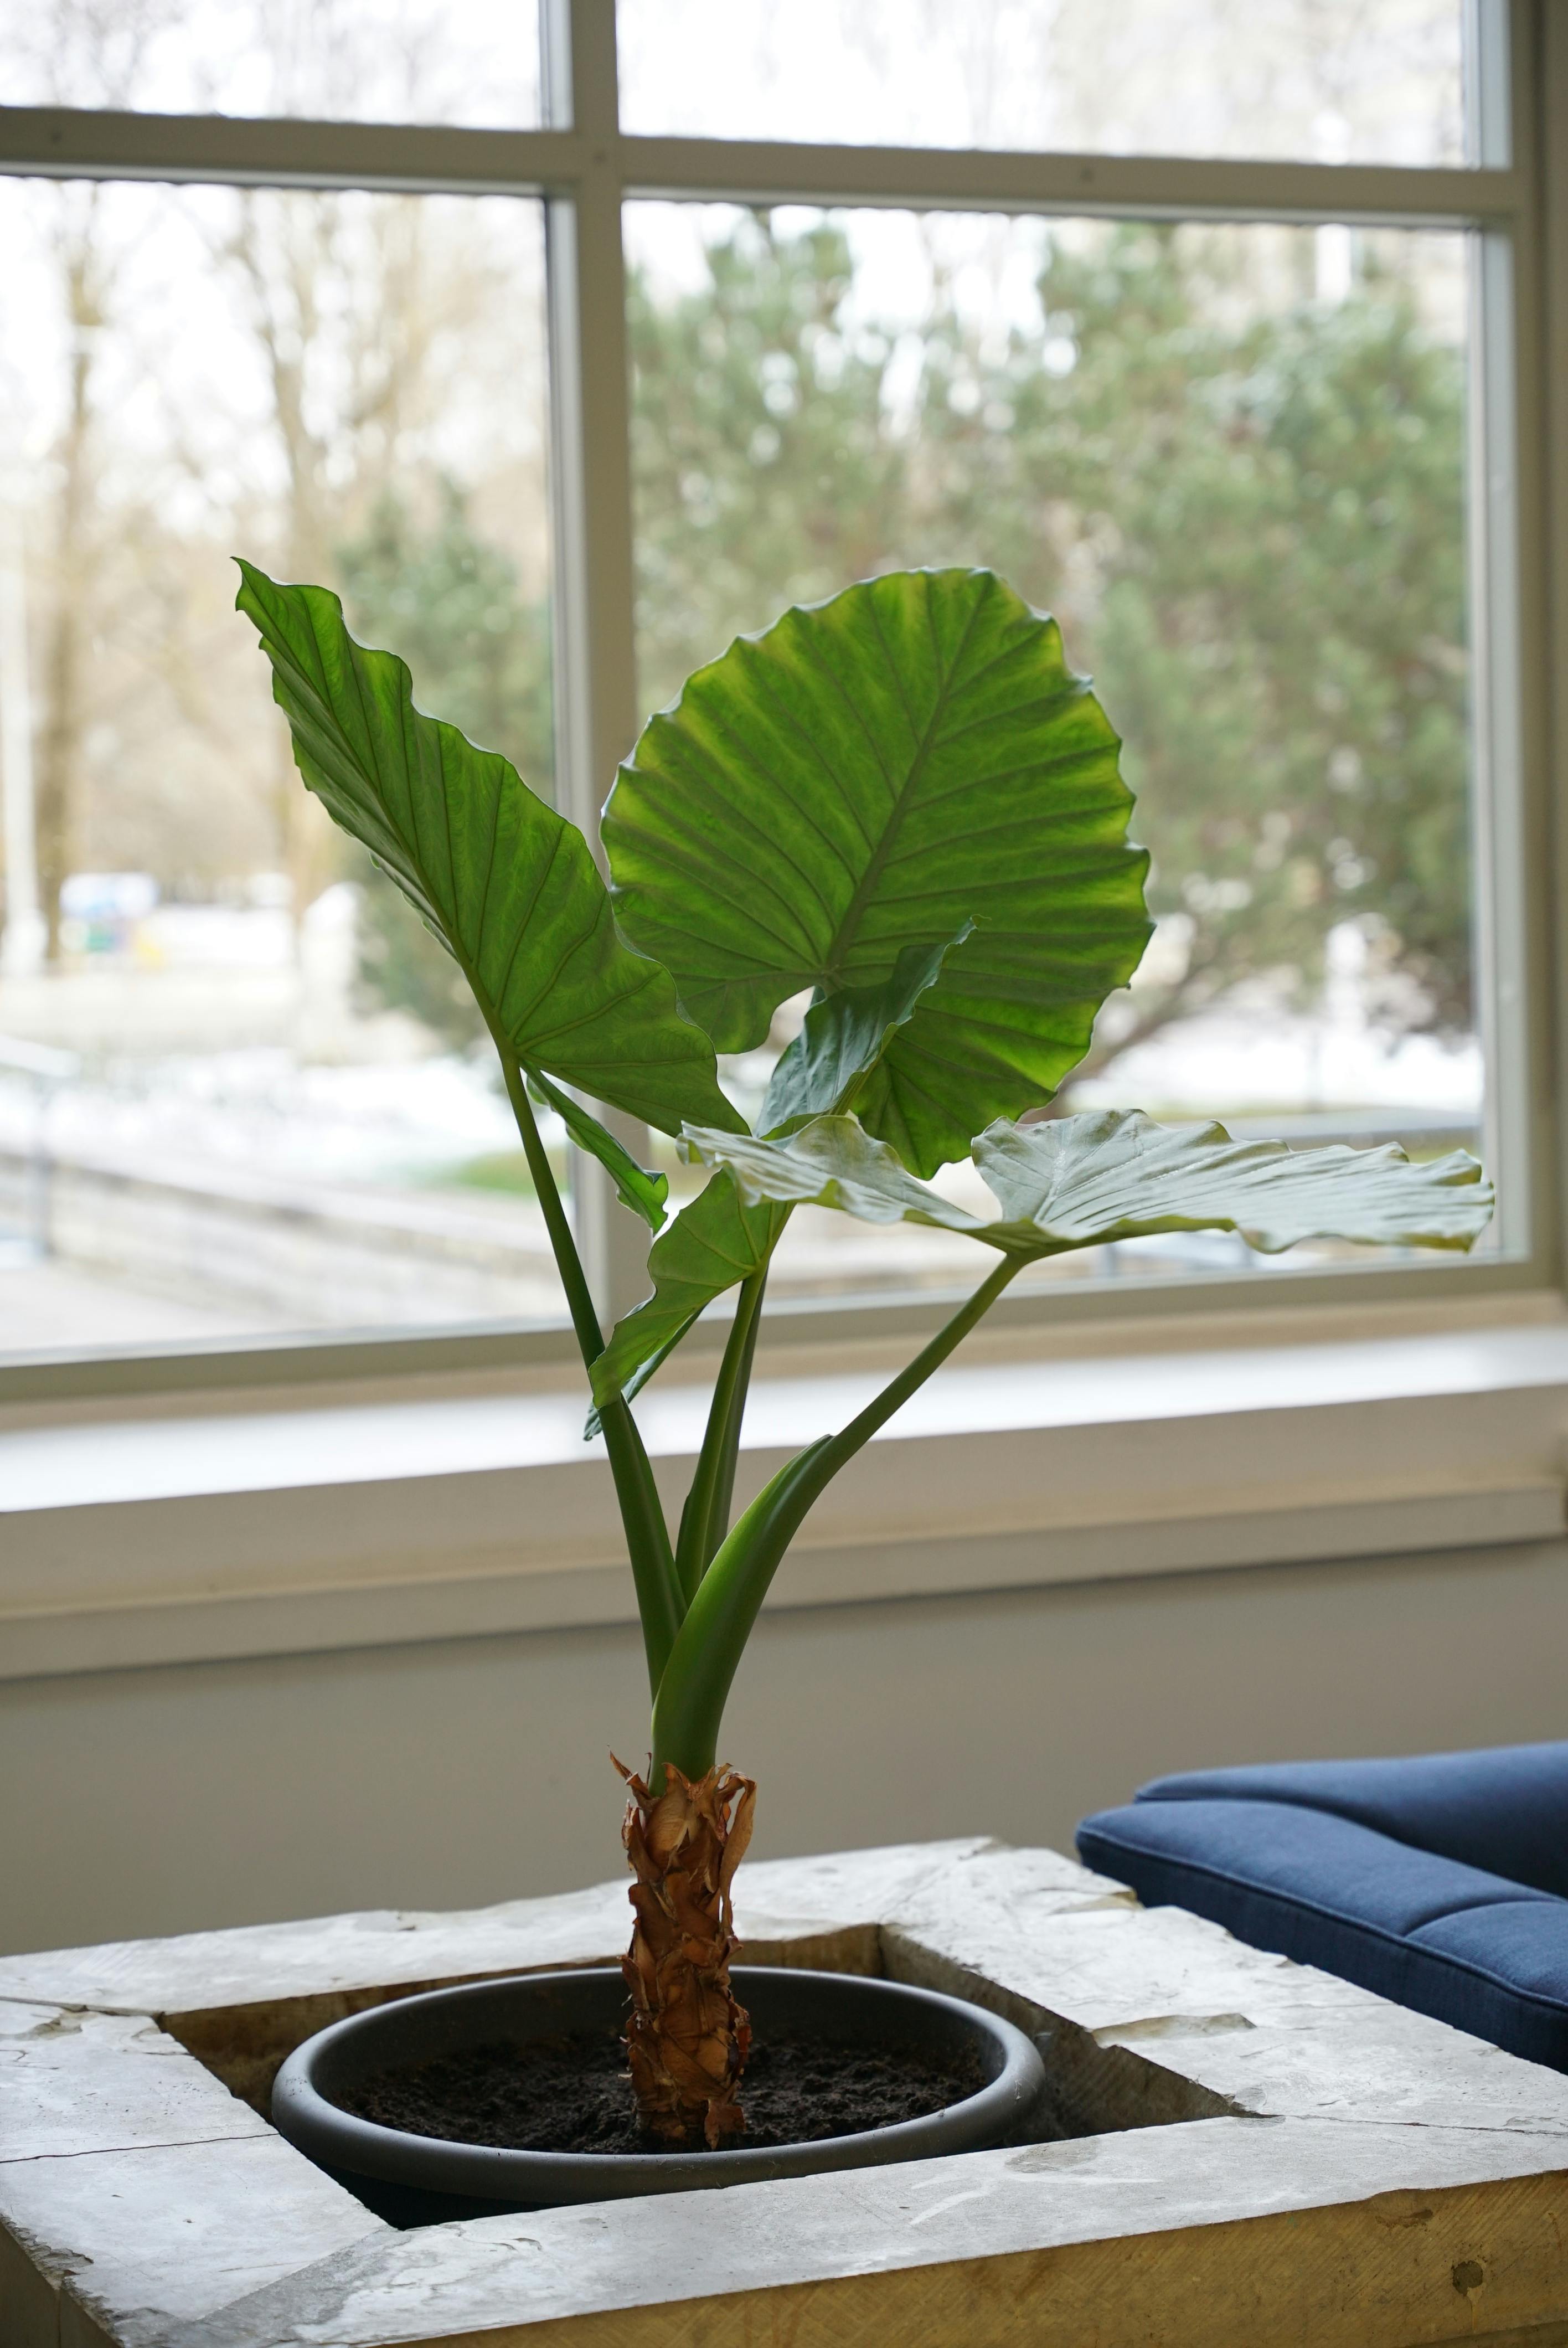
x: 1505, y: 1810
x: 1429, y: 1931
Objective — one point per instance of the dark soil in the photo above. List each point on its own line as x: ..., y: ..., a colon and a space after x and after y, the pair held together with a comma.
x: 574, y: 2094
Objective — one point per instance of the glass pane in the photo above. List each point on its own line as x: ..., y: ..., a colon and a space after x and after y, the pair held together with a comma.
x: 1366, y: 81
x: 1230, y: 459
x: 239, y: 1088
x: 468, y: 61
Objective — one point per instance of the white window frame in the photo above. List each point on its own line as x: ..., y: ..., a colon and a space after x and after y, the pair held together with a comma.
x: 584, y: 168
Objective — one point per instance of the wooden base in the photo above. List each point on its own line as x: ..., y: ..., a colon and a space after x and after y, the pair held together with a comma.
x: 1248, y: 2152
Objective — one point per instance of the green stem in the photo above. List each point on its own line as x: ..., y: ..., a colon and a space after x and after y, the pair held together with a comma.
x: 689, y: 1703
x: 563, y: 1239
x: 659, y: 1601
x: 897, y: 1391
x: 705, y: 1519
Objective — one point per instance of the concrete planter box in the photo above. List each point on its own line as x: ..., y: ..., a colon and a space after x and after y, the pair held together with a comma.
x: 1251, y: 2152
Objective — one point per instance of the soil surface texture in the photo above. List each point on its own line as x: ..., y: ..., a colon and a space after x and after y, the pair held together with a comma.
x: 574, y: 2094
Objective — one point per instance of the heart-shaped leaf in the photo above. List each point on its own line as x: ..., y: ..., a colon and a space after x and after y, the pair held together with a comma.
x: 506, y: 884
x: 867, y: 776
x: 1117, y: 1175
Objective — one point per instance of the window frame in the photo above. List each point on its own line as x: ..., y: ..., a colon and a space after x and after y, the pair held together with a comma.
x: 584, y: 168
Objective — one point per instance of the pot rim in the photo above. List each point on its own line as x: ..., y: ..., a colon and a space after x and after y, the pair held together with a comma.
x: 326, y: 2133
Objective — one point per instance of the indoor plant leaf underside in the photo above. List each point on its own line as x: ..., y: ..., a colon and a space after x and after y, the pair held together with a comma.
x: 1114, y: 1174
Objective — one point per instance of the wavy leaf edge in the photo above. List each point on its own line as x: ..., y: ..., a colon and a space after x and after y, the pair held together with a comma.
x: 1374, y: 1197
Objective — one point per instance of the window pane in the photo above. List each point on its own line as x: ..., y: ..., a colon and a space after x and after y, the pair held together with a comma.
x: 468, y: 61
x: 1328, y: 80
x: 240, y: 1087
x: 1230, y: 459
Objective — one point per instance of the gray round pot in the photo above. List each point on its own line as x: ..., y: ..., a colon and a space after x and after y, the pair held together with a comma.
x: 842, y: 2007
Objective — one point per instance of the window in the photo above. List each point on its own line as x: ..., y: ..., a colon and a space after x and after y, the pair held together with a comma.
x: 1231, y: 459
x: 353, y: 61
x: 1332, y: 81
x: 1200, y: 323
x: 242, y: 1090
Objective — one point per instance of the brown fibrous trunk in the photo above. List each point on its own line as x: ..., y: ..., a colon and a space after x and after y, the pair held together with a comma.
x: 686, y: 2038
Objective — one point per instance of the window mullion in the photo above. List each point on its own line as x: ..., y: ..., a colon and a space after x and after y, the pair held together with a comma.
x: 1541, y: 96
x: 1505, y: 993
x: 1504, y: 504
x: 596, y: 694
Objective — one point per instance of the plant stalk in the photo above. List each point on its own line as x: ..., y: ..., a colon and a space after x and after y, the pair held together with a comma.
x: 688, y: 1705
x: 849, y: 1439
x: 705, y: 1519
x: 660, y: 1599
x: 686, y: 2039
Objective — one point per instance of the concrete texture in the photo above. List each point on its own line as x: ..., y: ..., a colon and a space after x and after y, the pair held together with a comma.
x: 1252, y: 2151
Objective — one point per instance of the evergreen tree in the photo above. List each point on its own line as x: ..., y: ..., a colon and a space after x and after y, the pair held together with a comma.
x: 1265, y: 526
x: 764, y: 473
x: 1248, y: 516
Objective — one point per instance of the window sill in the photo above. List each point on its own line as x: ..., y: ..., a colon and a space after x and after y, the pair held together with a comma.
x: 173, y: 1535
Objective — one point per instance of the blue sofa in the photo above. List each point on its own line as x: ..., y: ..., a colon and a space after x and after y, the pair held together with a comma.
x: 1440, y: 1883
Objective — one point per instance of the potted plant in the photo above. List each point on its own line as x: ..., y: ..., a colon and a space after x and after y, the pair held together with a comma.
x: 904, y: 800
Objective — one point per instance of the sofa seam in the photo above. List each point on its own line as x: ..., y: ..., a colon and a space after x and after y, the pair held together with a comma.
x: 1319, y: 1809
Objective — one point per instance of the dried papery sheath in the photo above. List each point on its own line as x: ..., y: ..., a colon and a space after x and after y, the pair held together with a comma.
x: 687, y: 2039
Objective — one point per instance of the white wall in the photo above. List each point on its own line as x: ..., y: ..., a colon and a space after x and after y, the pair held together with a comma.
x: 453, y: 1774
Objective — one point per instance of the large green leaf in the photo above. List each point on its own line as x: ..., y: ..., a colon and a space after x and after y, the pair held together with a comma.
x: 867, y: 776
x: 1116, y: 1175
x: 507, y: 885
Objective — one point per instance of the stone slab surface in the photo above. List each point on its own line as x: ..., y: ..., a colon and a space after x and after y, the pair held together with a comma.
x: 1259, y: 2033
x: 786, y: 1899
x: 133, y: 2183
x: 134, y: 2242
x: 75, y: 2081
x: 1069, y: 2222
x: 1262, y: 2153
